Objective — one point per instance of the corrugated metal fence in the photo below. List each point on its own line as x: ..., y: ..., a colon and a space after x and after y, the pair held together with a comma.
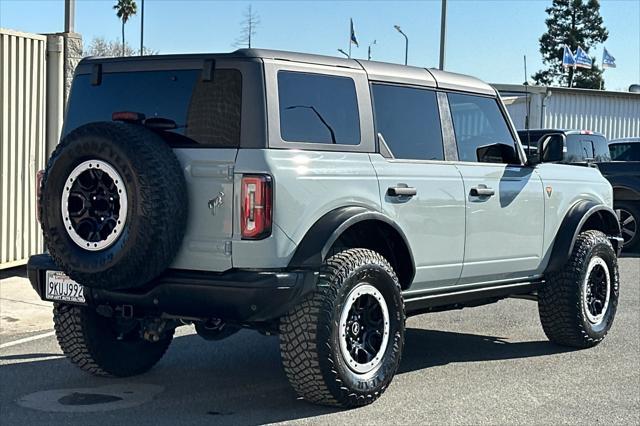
x: 22, y: 130
x: 613, y: 116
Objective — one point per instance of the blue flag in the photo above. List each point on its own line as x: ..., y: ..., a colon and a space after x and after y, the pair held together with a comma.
x: 354, y: 40
x: 567, y: 57
x: 608, y: 61
x: 582, y: 59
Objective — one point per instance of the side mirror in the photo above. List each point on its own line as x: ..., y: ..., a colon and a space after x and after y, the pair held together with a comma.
x: 497, y: 153
x: 551, y: 147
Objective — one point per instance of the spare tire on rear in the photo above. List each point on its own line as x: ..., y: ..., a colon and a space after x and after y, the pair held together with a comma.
x: 113, y: 205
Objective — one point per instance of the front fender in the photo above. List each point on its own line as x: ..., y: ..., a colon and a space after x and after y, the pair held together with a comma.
x: 579, y: 215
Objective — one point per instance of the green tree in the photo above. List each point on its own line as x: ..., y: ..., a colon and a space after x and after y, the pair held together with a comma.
x: 124, y: 10
x: 574, y: 23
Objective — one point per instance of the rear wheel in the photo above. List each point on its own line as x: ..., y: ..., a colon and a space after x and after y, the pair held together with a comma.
x: 629, y: 215
x: 106, y: 346
x: 577, y: 305
x: 342, y: 344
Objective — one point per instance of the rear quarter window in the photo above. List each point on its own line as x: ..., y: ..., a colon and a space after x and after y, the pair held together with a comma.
x: 318, y: 108
x: 206, y: 112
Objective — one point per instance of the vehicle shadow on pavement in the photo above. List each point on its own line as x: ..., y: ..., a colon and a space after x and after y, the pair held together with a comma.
x: 236, y: 381
x: 430, y: 348
x: 17, y: 272
x: 630, y: 254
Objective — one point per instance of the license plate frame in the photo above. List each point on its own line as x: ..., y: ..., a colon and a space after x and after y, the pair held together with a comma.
x: 58, y: 287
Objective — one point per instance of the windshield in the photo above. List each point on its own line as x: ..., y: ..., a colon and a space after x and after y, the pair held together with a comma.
x: 628, y: 151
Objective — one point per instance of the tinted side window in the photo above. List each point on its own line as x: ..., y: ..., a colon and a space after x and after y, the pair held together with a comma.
x: 318, y: 108
x: 409, y: 121
x: 625, y: 151
x: 478, y: 122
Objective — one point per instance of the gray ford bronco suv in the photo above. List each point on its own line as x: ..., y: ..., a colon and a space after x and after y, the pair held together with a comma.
x: 321, y: 199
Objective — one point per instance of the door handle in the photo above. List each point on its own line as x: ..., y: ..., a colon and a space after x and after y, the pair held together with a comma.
x: 401, y: 190
x: 481, y: 191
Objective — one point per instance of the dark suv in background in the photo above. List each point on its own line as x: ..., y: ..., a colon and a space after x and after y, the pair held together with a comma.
x: 618, y: 161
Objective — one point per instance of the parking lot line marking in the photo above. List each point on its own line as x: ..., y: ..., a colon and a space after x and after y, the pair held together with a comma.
x: 27, y: 339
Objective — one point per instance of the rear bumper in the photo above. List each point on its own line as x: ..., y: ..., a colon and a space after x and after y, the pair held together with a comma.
x: 236, y: 295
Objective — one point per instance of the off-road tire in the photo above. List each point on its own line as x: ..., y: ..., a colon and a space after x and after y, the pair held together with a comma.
x: 86, y: 338
x: 633, y: 208
x: 560, y: 301
x: 309, y: 333
x: 156, y: 205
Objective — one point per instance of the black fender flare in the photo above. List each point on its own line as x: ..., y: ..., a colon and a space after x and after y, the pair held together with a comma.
x: 315, y: 245
x: 572, y: 224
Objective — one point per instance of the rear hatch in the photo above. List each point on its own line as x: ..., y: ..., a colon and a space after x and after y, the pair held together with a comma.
x: 205, y: 112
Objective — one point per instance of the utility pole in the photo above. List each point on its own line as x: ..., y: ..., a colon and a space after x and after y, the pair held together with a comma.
x: 69, y: 15
x: 142, y: 29
x: 443, y: 32
x: 406, y: 43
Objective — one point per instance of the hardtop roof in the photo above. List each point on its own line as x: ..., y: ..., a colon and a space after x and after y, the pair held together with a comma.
x: 380, y: 71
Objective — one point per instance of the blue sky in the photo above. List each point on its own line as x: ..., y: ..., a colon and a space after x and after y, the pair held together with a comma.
x: 485, y: 38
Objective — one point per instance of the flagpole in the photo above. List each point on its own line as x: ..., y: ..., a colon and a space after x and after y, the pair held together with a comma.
x: 350, y: 26
x: 572, y: 74
x: 602, y: 76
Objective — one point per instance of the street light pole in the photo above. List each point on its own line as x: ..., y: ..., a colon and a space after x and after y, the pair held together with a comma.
x: 69, y: 15
x: 443, y: 32
x: 406, y: 43
x: 343, y: 52
x: 142, y: 29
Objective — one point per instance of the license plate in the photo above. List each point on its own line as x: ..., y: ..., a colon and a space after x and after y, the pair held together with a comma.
x: 60, y: 287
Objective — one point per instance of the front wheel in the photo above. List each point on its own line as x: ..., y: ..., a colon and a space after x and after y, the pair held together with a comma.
x: 577, y: 305
x: 342, y: 344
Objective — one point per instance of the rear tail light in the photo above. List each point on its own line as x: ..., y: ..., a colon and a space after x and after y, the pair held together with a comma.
x: 39, y: 177
x: 257, y: 197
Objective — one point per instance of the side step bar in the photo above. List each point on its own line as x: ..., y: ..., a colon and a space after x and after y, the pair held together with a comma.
x: 471, y: 297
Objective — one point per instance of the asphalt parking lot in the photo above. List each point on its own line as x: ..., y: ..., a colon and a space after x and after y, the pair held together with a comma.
x: 490, y: 365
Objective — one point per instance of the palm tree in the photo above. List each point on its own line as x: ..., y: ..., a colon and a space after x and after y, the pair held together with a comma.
x: 124, y: 10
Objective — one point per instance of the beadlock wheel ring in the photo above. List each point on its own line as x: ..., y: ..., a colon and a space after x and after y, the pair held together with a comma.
x: 596, y: 290
x: 94, y: 205
x: 350, y: 330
